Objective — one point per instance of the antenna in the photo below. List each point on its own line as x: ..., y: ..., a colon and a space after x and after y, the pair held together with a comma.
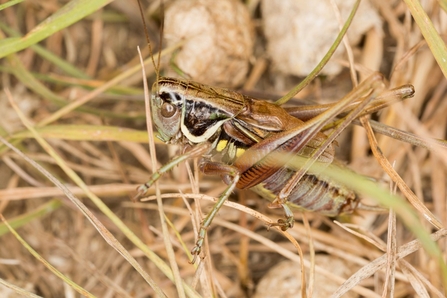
x: 156, y: 65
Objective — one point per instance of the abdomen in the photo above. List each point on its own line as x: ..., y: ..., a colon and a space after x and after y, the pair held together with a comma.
x: 313, y: 193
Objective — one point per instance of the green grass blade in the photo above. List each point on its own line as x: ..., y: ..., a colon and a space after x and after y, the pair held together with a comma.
x: 323, y: 61
x: 10, y: 3
x: 87, y: 133
x: 367, y: 188
x: 53, y: 269
x: 64, y: 17
x: 434, y: 41
x: 25, y: 218
x: 68, y: 68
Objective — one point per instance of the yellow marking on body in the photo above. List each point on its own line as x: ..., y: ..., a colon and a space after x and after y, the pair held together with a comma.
x: 239, y: 152
x: 221, y: 145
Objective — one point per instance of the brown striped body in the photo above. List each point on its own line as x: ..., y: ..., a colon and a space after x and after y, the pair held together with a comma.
x: 239, y: 129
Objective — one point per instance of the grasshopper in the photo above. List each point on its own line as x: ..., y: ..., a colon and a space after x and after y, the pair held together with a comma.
x: 248, y: 142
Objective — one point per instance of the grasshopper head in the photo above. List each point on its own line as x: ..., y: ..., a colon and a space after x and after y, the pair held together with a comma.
x: 185, y: 111
x: 166, y: 113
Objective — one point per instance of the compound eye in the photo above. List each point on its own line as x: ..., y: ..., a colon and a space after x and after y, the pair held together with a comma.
x: 168, y: 110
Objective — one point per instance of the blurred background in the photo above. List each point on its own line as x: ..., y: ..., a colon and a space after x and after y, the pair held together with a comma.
x: 72, y: 69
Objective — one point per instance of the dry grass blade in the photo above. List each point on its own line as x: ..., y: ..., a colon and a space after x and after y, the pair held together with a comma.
x: 397, y: 179
x: 17, y: 290
x: 377, y: 264
x: 74, y: 71
x: 391, y: 250
x: 91, y: 217
x: 416, y: 283
x: 419, y: 281
x: 257, y: 237
x: 83, y: 100
x: 166, y: 238
x: 311, y: 284
x: 66, y: 279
